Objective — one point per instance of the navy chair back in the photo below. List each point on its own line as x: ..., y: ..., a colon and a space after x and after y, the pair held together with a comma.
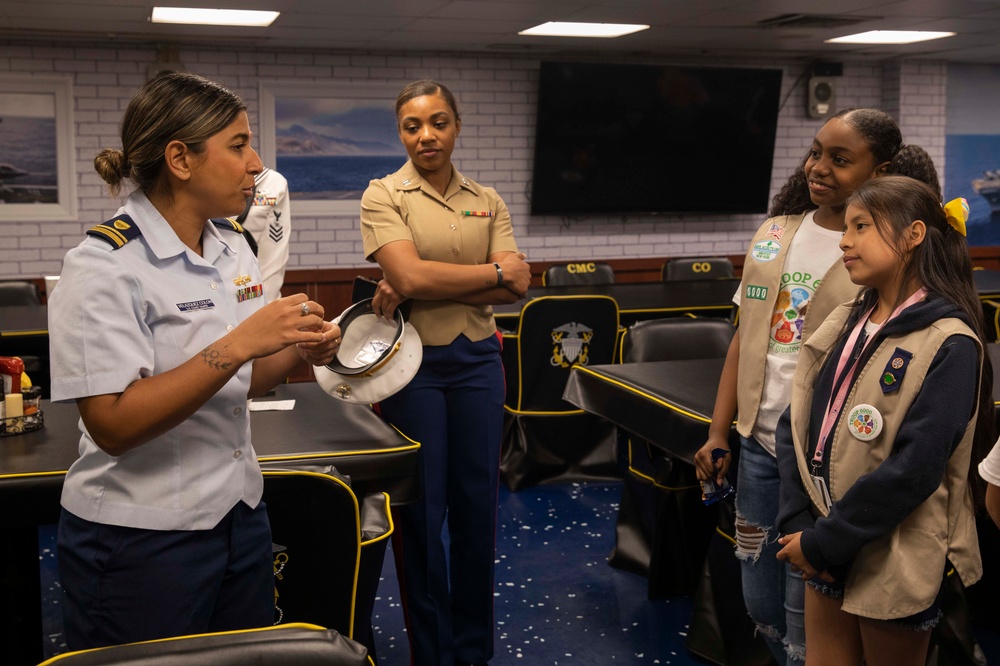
x: 19, y: 292
x: 677, y: 338
x: 289, y: 645
x: 584, y: 272
x: 554, y: 333
x: 697, y: 269
x: 546, y: 439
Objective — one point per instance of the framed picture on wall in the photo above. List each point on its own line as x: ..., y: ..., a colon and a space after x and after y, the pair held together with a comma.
x: 37, y: 177
x: 329, y: 140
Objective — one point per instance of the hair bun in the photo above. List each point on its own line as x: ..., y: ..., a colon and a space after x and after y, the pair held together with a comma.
x: 112, y: 166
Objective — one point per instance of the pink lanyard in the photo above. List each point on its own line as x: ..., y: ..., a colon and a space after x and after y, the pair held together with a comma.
x: 836, y: 402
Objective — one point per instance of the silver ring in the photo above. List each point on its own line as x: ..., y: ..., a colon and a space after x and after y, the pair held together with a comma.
x: 305, y: 309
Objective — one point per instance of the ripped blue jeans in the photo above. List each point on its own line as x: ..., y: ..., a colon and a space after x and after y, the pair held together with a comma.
x: 774, y: 595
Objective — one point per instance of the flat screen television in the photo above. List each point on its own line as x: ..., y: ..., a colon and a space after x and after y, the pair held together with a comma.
x: 652, y: 139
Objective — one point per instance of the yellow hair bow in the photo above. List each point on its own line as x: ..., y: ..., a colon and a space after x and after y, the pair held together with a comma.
x: 957, y: 213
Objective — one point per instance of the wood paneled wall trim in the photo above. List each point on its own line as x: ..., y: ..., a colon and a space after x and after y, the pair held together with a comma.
x: 986, y: 257
x: 335, y: 283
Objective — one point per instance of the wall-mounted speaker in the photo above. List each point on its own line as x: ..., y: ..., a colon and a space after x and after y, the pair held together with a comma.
x: 821, y: 98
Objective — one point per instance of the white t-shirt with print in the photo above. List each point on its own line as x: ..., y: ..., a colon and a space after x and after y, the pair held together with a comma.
x: 812, y: 252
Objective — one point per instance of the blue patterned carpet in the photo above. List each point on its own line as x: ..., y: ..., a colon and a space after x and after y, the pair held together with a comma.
x: 557, y: 600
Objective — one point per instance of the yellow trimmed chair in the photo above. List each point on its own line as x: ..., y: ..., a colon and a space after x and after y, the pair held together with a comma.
x: 546, y: 439
x: 707, y: 268
x: 581, y: 272
x: 663, y: 529
x: 286, y: 645
x: 329, y: 549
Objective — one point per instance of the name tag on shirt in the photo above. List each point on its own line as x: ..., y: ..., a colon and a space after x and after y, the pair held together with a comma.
x: 190, y: 306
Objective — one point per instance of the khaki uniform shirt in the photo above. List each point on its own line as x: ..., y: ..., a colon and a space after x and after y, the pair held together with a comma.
x: 465, y: 226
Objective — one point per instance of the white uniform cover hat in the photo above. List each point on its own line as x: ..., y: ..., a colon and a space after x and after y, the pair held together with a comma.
x: 376, y: 359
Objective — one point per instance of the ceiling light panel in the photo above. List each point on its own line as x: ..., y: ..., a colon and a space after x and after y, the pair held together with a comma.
x: 568, y: 29
x: 198, y: 16
x: 890, y: 37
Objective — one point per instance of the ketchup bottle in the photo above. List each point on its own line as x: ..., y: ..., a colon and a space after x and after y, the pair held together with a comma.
x: 11, y: 368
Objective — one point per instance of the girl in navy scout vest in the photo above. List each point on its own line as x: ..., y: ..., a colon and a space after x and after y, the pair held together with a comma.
x: 793, y: 277
x: 876, y: 449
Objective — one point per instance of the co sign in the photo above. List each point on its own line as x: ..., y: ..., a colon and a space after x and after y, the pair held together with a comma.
x: 701, y: 267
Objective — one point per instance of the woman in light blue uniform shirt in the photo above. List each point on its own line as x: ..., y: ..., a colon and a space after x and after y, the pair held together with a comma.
x: 160, y: 333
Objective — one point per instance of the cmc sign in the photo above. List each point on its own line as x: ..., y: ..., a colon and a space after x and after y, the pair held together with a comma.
x: 589, y: 267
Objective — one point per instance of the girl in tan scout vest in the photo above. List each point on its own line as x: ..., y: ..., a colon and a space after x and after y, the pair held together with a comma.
x: 875, y: 451
x: 792, y: 279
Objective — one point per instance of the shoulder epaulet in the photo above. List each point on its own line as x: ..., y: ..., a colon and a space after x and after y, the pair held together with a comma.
x: 116, y: 231
x: 228, y: 223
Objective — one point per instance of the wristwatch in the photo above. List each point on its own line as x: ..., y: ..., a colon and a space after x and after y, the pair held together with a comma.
x: 499, y: 274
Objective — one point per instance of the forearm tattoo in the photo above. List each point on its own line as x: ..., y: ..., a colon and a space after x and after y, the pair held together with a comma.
x: 216, y: 358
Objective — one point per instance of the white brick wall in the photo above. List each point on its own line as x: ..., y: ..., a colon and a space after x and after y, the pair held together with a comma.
x: 496, y: 96
x: 922, y: 104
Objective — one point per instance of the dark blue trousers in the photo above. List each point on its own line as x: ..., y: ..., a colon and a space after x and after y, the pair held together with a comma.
x: 454, y: 408
x: 123, y: 584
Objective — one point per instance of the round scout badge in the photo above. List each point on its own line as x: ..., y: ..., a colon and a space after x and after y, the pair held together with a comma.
x: 865, y: 422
